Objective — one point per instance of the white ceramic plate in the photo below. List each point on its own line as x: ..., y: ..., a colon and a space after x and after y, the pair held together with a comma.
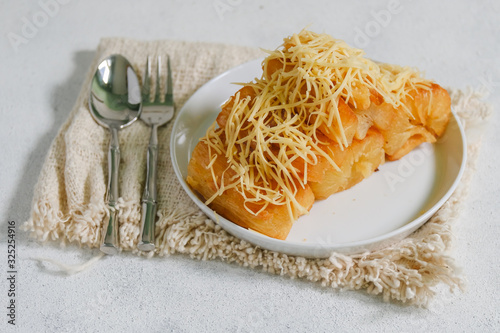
x: 380, y: 210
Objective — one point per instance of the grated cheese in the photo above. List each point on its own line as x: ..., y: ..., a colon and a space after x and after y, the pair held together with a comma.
x: 264, y: 135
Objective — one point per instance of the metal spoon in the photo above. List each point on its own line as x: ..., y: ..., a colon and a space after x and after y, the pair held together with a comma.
x: 115, y: 102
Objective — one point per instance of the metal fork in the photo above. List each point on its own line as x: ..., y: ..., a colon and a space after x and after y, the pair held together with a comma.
x: 155, y: 112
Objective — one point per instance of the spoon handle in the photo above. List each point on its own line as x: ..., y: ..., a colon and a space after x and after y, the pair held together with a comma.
x: 109, y: 244
x: 147, y: 238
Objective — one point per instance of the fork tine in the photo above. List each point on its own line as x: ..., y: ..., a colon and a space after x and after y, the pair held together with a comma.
x: 158, y: 76
x: 146, y: 88
x: 170, y: 88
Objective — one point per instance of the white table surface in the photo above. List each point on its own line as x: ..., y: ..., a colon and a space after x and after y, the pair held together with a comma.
x: 454, y: 42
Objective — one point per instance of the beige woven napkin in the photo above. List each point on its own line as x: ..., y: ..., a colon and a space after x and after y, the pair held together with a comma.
x: 69, y: 206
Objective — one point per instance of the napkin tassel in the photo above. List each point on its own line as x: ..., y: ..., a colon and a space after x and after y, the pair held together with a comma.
x: 71, y: 269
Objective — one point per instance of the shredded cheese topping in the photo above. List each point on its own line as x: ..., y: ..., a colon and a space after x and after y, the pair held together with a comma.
x: 269, y: 139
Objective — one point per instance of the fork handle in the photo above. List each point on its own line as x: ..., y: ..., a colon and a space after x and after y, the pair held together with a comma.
x: 147, y: 238
x: 147, y: 242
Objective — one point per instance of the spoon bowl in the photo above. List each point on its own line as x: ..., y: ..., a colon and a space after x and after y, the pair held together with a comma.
x: 115, y: 95
x: 115, y: 102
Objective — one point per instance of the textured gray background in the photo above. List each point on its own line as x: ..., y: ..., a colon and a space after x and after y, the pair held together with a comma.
x: 454, y: 42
